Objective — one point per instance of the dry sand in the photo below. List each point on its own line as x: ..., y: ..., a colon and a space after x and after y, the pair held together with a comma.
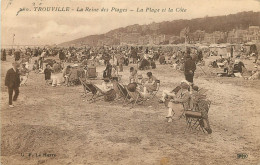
x: 62, y: 128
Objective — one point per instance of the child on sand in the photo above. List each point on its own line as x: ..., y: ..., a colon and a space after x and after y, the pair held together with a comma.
x: 36, y: 66
x: 47, y: 73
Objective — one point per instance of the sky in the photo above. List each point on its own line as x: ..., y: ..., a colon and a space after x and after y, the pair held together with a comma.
x: 52, y: 27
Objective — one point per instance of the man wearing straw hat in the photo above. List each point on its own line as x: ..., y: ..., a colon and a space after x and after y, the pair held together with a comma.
x: 183, y: 96
x: 12, y: 81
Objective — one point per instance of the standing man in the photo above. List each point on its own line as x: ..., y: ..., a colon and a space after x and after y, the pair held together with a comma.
x: 62, y: 55
x: 106, y: 58
x: 189, y: 69
x: 12, y: 81
x: 107, y: 72
x: 121, y: 62
x: 134, y: 55
x: 3, y: 57
x: 231, y: 51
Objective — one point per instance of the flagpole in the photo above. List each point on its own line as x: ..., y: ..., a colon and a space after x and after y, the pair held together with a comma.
x: 13, y: 42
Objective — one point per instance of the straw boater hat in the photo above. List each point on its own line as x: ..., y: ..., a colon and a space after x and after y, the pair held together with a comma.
x: 184, y: 81
x: 237, y: 61
x: 185, y: 84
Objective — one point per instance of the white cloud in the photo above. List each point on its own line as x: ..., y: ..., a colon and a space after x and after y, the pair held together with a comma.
x: 52, y: 28
x: 53, y: 32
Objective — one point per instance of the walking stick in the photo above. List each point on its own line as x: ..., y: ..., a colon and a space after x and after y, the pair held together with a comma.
x: 202, y: 70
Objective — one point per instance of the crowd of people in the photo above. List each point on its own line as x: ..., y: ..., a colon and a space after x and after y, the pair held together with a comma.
x: 233, y: 65
x: 74, y: 63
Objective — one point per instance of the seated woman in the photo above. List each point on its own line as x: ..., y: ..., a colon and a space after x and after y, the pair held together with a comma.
x: 151, y: 84
x: 238, y: 68
x: 255, y: 74
x: 24, y: 72
x: 183, y: 96
x: 230, y: 69
x: 105, y: 86
x: 135, y: 93
x: 119, y: 88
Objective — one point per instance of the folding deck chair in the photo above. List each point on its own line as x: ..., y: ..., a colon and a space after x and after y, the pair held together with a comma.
x: 120, y: 90
x: 201, y: 92
x: 198, y: 120
x: 134, y: 97
x: 153, y: 93
x: 137, y: 98
x: 91, y: 88
x: 123, y: 91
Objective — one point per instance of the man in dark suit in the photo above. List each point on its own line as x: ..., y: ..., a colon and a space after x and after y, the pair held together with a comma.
x: 12, y: 81
x: 189, y: 69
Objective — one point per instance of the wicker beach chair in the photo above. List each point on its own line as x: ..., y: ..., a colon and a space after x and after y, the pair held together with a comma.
x: 197, y: 118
